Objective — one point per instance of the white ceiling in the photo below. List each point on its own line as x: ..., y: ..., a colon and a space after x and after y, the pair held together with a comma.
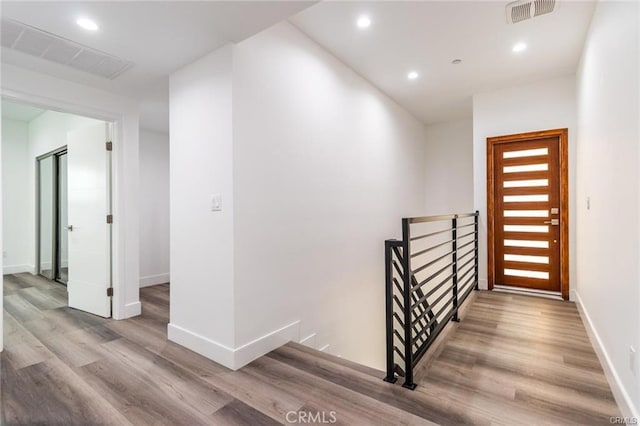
x: 159, y: 37
x: 20, y: 112
x: 427, y: 36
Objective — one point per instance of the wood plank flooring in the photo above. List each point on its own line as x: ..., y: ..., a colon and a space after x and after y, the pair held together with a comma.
x: 512, y: 360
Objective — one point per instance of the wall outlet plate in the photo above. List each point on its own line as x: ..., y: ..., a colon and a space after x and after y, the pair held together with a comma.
x: 216, y: 202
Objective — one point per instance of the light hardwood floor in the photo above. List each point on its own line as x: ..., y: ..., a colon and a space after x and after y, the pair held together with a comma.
x: 512, y: 360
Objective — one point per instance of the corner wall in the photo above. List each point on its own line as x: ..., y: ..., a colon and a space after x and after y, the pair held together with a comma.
x: 201, y: 252
x: 608, y: 212
x: 324, y: 166
x: 449, y: 167
x: 548, y: 104
x: 154, y: 208
x: 15, y: 196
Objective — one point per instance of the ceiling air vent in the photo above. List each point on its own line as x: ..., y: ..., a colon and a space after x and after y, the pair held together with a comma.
x: 36, y: 42
x: 523, y: 10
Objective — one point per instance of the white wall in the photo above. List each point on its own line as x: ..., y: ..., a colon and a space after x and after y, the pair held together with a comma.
x: 154, y: 208
x: 201, y: 240
x: 15, y: 197
x: 47, y: 132
x: 608, y: 284
x: 52, y: 93
x: 549, y: 104
x: 324, y: 168
x: 449, y: 167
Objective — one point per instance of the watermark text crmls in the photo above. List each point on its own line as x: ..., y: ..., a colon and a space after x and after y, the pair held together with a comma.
x: 311, y: 417
x: 623, y: 420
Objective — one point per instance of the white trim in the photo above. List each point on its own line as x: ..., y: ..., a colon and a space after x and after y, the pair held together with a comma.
x: 201, y: 345
x: 324, y: 348
x: 556, y: 295
x: 233, y: 358
x: 18, y: 269
x: 626, y: 405
x: 265, y: 344
x: 309, y: 341
x: 132, y: 309
x: 150, y: 280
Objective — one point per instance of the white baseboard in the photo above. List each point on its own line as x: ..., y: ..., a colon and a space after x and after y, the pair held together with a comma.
x: 199, y: 344
x: 132, y: 310
x: 150, y: 280
x: 324, y: 348
x: 17, y: 269
x: 265, y: 344
x: 309, y: 341
x: 626, y: 405
x: 234, y: 358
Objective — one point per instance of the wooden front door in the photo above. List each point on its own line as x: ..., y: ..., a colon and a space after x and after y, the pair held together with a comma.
x: 528, y: 210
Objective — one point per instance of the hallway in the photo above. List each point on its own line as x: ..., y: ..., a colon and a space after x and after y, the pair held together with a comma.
x: 512, y: 360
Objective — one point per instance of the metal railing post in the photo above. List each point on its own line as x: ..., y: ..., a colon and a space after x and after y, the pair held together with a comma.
x: 477, y: 237
x: 406, y: 272
x: 454, y: 238
x: 388, y: 258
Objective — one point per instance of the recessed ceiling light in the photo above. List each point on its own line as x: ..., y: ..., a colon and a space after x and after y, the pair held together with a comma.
x: 412, y: 75
x: 87, y: 24
x: 520, y: 47
x: 456, y: 61
x: 363, y: 22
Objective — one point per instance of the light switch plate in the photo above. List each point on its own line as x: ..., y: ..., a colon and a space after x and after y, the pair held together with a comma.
x: 216, y: 202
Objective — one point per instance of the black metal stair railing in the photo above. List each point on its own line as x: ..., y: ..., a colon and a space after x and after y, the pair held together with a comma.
x: 428, y: 277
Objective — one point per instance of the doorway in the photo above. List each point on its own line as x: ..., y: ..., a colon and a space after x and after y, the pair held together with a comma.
x: 52, y: 216
x: 527, y: 212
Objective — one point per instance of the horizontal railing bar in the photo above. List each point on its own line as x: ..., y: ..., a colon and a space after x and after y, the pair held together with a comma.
x: 466, y: 235
x: 466, y: 293
x: 394, y: 242
x: 395, y: 298
x: 464, y: 275
x: 424, y: 219
x: 465, y: 226
x: 432, y: 276
x: 431, y: 234
x: 432, y: 338
x: 399, y: 353
x: 465, y: 244
x: 421, y: 252
x: 466, y: 263
x: 435, y: 302
x: 397, y: 317
x: 435, y: 318
x: 431, y: 263
x: 471, y: 279
x: 395, y: 333
x: 462, y: 256
x: 434, y: 289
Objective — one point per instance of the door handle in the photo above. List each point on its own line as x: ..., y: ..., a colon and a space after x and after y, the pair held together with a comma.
x: 70, y: 228
x: 553, y: 222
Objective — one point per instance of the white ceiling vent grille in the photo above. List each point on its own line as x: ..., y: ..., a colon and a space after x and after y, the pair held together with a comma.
x: 36, y: 42
x: 523, y: 10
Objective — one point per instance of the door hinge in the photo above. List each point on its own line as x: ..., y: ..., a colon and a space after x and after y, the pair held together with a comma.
x: 110, y: 292
x: 109, y: 146
x: 109, y: 218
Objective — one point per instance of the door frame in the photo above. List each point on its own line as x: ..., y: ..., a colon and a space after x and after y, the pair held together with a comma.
x: 563, y: 137
x: 55, y: 155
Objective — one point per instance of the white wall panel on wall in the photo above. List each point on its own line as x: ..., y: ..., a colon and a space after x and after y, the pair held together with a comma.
x: 325, y: 166
x: 15, y: 197
x: 549, y: 104
x: 608, y: 225
x: 154, y: 208
x: 449, y: 167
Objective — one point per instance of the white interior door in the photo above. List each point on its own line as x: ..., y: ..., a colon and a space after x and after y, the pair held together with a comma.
x: 89, y: 235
